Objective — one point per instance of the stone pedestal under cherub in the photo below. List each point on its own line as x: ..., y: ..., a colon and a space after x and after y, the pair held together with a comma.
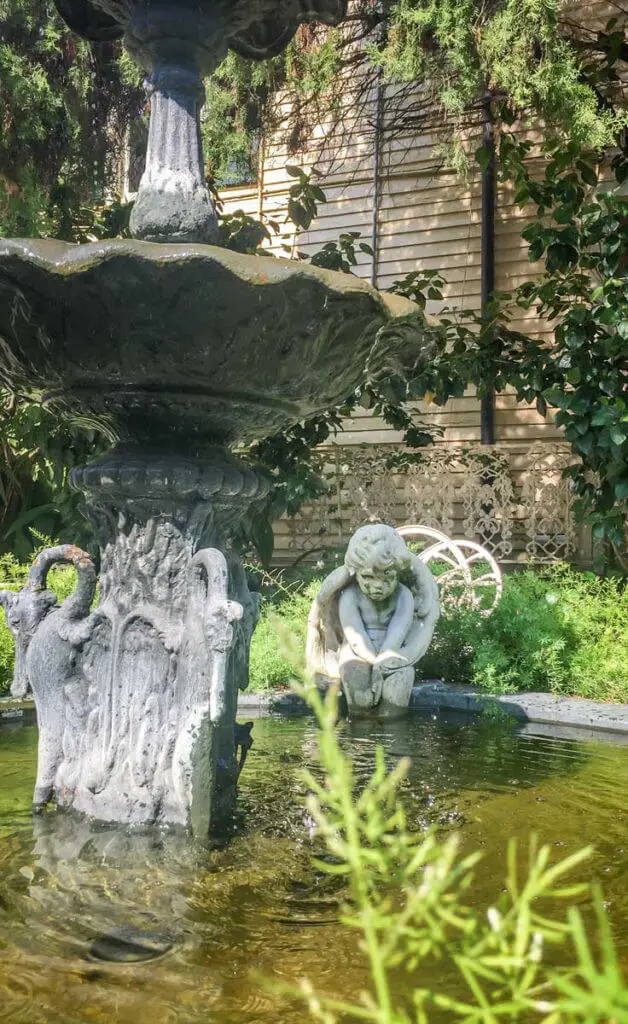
x: 372, y: 621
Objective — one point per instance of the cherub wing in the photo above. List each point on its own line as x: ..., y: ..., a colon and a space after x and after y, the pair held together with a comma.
x: 324, y: 633
x: 426, y: 611
x: 424, y: 589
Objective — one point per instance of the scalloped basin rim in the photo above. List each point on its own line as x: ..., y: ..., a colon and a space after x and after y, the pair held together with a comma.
x: 69, y: 258
x: 190, y: 344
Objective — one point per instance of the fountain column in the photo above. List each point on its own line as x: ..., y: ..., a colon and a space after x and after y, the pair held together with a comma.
x: 136, y: 698
x: 173, y: 203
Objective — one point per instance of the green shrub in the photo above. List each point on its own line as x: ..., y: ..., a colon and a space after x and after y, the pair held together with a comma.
x: 597, y: 613
x: 559, y: 630
x: 269, y: 667
x: 554, y: 629
x: 13, y: 575
x: 451, y: 653
x: 527, y: 643
x: 564, y: 631
x: 524, y: 644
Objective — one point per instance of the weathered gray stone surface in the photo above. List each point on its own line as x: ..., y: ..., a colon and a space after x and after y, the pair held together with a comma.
x: 532, y: 707
x: 163, y: 28
x: 577, y: 718
x: 173, y: 203
x: 177, y: 42
x: 372, y: 621
x: 48, y: 638
x: 569, y: 720
x: 16, y: 710
x: 179, y: 346
x: 170, y: 347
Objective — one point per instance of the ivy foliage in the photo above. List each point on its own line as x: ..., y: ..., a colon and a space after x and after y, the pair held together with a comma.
x: 579, y: 374
x: 235, y: 102
x: 582, y: 373
x: 536, y: 60
x: 527, y: 56
x: 38, y: 449
x: 241, y: 101
x: 64, y: 108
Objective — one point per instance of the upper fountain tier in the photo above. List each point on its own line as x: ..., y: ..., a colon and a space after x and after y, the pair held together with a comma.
x: 200, y: 31
x: 177, y: 42
x: 180, y: 346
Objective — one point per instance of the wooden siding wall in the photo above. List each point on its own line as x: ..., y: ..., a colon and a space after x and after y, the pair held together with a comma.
x: 427, y: 217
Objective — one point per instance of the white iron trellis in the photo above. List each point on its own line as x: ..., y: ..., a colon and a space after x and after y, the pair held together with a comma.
x: 467, y: 574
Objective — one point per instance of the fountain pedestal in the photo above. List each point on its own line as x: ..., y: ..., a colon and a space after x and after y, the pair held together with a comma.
x: 169, y: 347
x: 178, y: 42
x: 136, y: 700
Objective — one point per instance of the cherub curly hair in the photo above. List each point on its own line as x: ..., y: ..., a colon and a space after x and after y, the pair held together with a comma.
x: 377, y: 547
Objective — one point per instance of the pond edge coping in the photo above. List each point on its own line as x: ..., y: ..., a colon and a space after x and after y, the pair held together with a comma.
x: 435, y: 695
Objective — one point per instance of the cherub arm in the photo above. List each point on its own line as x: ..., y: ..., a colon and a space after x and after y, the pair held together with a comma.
x: 353, y: 628
x: 400, y: 624
x: 322, y: 637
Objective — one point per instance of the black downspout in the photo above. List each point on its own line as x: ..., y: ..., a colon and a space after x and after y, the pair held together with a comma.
x: 380, y: 36
x: 487, y: 258
x: 375, y: 177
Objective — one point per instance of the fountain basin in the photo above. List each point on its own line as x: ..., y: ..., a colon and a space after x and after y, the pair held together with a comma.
x: 256, y: 906
x: 180, y: 344
x: 176, y: 351
x: 255, y: 28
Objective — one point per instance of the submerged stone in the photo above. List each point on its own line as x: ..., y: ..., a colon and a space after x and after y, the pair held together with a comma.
x: 129, y: 945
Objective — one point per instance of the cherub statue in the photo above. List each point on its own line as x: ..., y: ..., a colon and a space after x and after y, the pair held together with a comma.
x: 372, y: 620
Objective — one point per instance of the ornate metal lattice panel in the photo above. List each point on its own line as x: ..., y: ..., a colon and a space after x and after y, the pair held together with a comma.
x: 511, y: 499
x: 430, y: 492
x: 318, y: 524
x: 546, y: 503
x: 367, y: 488
x: 487, y: 495
x: 313, y: 528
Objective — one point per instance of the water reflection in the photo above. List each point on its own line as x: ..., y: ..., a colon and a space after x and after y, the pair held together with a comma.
x: 254, y: 902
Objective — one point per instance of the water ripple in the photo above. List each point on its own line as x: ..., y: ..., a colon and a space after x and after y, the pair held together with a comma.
x: 254, y: 907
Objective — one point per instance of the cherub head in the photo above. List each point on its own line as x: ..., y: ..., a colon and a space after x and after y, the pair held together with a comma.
x: 377, y: 556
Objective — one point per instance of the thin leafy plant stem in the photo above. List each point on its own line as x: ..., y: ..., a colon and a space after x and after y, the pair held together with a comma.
x: 326, y: 714
x: 500, y: 955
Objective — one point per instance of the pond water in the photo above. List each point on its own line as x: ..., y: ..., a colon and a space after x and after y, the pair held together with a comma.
x: 253, y: 906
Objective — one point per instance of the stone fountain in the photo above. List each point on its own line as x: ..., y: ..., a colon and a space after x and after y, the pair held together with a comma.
x: 177, y: 349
